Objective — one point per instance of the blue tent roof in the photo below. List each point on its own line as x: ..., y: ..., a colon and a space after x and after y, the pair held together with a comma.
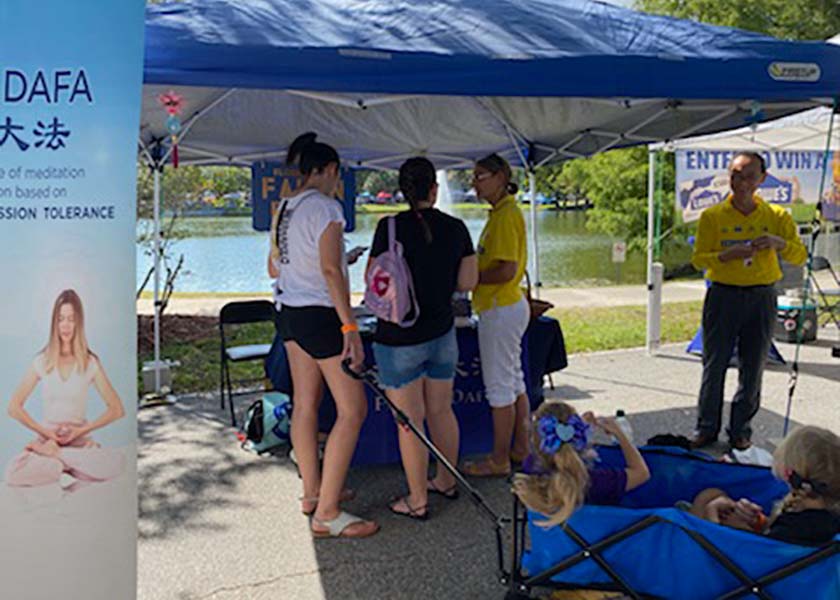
x: 542, y: 80
x: 475, y: 48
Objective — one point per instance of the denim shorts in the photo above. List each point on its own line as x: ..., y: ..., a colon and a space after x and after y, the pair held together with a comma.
x: 400, y: 365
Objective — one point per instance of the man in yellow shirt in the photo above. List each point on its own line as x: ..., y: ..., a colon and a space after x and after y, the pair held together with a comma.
x: 739, y: 243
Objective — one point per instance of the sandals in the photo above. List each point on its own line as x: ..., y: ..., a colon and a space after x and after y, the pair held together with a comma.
x: 518, y: 458
x: 486, y: 468
x: 450, y: 493
x: 413, y: 512
x: 337, y: 528
x: 312, y: 501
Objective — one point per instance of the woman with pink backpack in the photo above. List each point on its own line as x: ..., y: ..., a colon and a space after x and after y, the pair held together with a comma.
x: 418, y: 260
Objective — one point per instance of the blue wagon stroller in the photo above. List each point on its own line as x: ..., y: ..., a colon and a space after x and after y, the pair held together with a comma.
x: 647, y: 549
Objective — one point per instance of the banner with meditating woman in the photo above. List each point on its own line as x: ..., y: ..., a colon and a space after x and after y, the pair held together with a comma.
x: 70, y: 83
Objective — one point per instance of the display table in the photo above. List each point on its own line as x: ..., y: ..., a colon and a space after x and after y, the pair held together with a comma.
x: 543, y: 352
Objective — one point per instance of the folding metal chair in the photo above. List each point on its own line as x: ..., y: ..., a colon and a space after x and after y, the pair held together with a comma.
x: 239, y: 313
x: 829, y: 298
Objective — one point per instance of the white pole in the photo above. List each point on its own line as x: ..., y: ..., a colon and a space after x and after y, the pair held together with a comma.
x: 654, y: 295
x: 654, y: 333
x: 535, y: 255
x: 157, y: 277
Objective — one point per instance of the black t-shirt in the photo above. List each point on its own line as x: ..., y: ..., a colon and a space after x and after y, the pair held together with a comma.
x: 810, y: 527
x: 434, y: 270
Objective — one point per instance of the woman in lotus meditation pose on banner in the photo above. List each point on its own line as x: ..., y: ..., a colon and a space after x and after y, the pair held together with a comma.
x: 65, y: 368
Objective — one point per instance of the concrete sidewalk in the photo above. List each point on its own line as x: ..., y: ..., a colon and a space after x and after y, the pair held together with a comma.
x: 219, y: 523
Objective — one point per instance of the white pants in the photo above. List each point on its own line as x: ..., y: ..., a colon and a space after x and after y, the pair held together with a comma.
x: 500, y: 331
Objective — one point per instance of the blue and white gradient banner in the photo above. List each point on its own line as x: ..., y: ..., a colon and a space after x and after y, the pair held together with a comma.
x: 70, y: 82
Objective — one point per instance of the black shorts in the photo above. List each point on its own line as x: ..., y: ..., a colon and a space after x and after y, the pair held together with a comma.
x: 316, y: 329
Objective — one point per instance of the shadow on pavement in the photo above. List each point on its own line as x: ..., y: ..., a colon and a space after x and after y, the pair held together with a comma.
x: 196, y: 466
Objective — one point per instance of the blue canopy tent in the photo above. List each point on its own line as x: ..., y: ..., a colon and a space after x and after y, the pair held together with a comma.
x: 542, y: 81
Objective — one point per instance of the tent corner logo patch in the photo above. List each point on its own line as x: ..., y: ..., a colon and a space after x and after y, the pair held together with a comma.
x: 790, y: 71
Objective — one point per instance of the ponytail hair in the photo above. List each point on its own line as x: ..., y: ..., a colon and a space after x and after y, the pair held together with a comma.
x: 417, y: 178
x: 558, y: 487
x: 309, y: 155
x: 496, y: 164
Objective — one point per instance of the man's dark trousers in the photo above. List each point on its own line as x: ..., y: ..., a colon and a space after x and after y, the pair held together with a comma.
x: 731, y: 313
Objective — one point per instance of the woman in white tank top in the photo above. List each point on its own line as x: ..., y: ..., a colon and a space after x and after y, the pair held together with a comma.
x: 319, y: 331
x: 65, y: 368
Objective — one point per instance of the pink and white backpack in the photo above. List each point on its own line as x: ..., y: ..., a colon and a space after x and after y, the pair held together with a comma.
x: 389, y: 290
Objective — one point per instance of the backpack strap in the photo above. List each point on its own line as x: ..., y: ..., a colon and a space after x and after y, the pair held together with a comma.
x: 392, y: 236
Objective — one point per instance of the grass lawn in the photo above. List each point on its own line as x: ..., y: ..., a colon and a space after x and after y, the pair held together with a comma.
x: 194, y: 341
x: 197, y: 348
x: 610, y: 328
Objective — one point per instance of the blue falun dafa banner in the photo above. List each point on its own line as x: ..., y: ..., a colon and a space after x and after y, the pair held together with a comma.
x: 273, y: 181
x: 70, y: 89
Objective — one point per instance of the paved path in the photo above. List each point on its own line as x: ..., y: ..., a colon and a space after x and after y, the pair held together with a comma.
x: 561, y: 297
x: 618, y: 295
x: 218, y: 523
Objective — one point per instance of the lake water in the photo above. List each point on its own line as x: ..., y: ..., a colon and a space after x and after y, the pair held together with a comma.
x: 223, y: 254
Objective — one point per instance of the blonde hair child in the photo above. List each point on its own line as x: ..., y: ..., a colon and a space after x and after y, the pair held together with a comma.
x: 808, y: 460
x: 558, y: 478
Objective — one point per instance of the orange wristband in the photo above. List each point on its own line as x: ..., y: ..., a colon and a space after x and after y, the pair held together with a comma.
x: 349, y: 327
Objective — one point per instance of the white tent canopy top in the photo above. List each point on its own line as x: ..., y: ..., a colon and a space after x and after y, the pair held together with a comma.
x: 807, y: 130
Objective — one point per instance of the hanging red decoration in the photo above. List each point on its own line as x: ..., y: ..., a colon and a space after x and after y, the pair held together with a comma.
x: 172, y: 104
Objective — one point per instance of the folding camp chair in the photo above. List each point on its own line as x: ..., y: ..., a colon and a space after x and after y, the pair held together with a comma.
x: 829, y: 298
x: 239, y: 313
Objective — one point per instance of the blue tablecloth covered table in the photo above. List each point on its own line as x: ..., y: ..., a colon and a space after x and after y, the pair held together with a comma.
x: 543, y: 352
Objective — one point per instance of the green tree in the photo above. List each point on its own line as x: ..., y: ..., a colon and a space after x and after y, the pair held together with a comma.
x: 178, y: 186
x: 377, y: 181
x: 226, y: 180
x: 616, y: 183
x: 786, y: 19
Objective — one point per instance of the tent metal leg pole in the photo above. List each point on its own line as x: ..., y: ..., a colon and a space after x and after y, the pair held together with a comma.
x: 157, y: 277
x: 654, y: 299
x: 535, y: 261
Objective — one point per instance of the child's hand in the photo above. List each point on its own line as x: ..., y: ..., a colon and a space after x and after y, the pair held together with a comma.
x: 590, y: 418
x: 720, y: 509
x: 722, y: 503
x: 747, y: 510
x: 609, y: 426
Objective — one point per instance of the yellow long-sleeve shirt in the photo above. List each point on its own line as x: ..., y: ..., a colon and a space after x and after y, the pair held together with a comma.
x: 722, y: 226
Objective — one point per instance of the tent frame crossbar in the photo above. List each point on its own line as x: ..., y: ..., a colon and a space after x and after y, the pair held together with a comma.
x: 360, y: 103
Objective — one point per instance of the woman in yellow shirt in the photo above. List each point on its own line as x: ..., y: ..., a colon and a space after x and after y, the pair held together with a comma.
x: 503, y: 316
